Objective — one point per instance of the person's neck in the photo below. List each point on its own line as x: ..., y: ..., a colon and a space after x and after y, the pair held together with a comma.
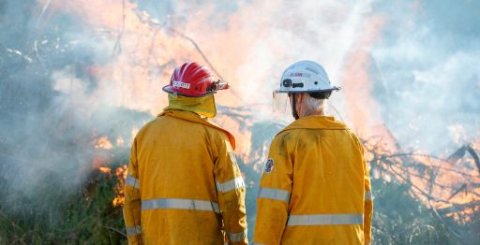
x: 313, y: 113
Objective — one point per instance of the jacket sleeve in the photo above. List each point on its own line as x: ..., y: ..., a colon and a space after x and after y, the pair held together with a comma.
x: 131, y: 208
x: 274, y: 194
x: 368, y: 209
x: 231, y: 194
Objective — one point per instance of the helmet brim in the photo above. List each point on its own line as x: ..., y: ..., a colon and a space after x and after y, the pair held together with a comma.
x: 171, y: 90
x: 308, y: 91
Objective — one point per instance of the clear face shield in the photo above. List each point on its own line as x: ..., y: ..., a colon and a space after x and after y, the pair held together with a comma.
x: 282, y: 106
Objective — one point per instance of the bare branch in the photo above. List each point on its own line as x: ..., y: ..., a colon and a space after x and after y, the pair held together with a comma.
x: 44, y: 9
x: 474, y: 156
x: 117, y: 48
x: 116, y: 230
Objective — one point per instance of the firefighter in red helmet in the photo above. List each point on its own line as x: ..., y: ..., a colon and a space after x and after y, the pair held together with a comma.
x: 183, y: 184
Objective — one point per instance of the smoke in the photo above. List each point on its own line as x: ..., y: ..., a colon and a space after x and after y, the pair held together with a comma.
x: 426, y: 73
x: 247, y: 48
x: 52, y: 111
x: 141, y: 42
x: 74, y: 71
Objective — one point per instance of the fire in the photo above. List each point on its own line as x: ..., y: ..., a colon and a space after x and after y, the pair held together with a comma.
x: 362, y: 108
x: 121, y: 174
x: 103, y: 143
x: 145, y: 52
x: 105, y: 170
x: 238, y: 124
x: 450, y: 186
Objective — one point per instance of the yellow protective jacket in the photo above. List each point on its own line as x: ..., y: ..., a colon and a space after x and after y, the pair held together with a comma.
x: 315, y: 188
x: 183, y: 184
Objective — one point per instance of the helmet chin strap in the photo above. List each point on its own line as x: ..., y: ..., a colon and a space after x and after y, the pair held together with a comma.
x: 294, y: 107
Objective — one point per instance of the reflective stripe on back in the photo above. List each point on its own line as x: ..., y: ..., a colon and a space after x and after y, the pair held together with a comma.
x: 325, y: 219
x: 133, y: 182
x: 275, y: 194
x: 176, y: 203
x: 135, y: 230
x: 231, y: 185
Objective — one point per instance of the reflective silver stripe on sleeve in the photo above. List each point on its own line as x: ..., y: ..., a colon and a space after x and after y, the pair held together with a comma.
x: 237, y: 237
x: 232, y: 157
x: 368, y: 196
x: 175, y: 203
x: 325, y: 219
x: 135, y: 230
x: 231, y: 185
x: 275, y: 194
x: 133, y: 182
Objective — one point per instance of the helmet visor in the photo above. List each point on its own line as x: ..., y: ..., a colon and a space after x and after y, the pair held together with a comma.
x: 281, y: 105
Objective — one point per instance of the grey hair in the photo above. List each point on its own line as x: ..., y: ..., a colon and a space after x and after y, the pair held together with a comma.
x: 314, y: 106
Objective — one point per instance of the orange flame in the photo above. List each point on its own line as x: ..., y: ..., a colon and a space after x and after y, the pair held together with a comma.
x: 362, y: 108
x: 121, y: 174
x: 146, y: 52
x: 105, y: 170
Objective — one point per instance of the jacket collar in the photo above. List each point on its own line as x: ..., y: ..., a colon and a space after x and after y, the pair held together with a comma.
x: 316, y: 122
x: 193, y: 117
x: 204, y: 106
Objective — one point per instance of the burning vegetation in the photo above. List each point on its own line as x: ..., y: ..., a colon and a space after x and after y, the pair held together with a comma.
x: 77, y: 85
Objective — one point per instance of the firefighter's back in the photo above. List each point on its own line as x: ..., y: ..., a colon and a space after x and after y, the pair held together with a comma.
x: 326, y: 205
x: 312, y: 190
x: 179, y: 202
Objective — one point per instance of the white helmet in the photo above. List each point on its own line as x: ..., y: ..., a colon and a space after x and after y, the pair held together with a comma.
x: 305, y: 76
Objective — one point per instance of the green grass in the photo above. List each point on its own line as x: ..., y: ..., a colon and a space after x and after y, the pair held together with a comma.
x: 57, y: 216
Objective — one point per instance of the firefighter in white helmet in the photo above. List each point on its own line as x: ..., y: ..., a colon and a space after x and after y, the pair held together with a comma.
x: 315, y: 188
x: 183, y: 184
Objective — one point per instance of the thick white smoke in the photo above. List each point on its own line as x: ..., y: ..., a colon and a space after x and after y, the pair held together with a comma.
x: 68, y: 67
x: 426, y: 73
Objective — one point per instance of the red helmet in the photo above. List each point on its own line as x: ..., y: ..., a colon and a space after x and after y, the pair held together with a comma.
x: 193, y: 80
